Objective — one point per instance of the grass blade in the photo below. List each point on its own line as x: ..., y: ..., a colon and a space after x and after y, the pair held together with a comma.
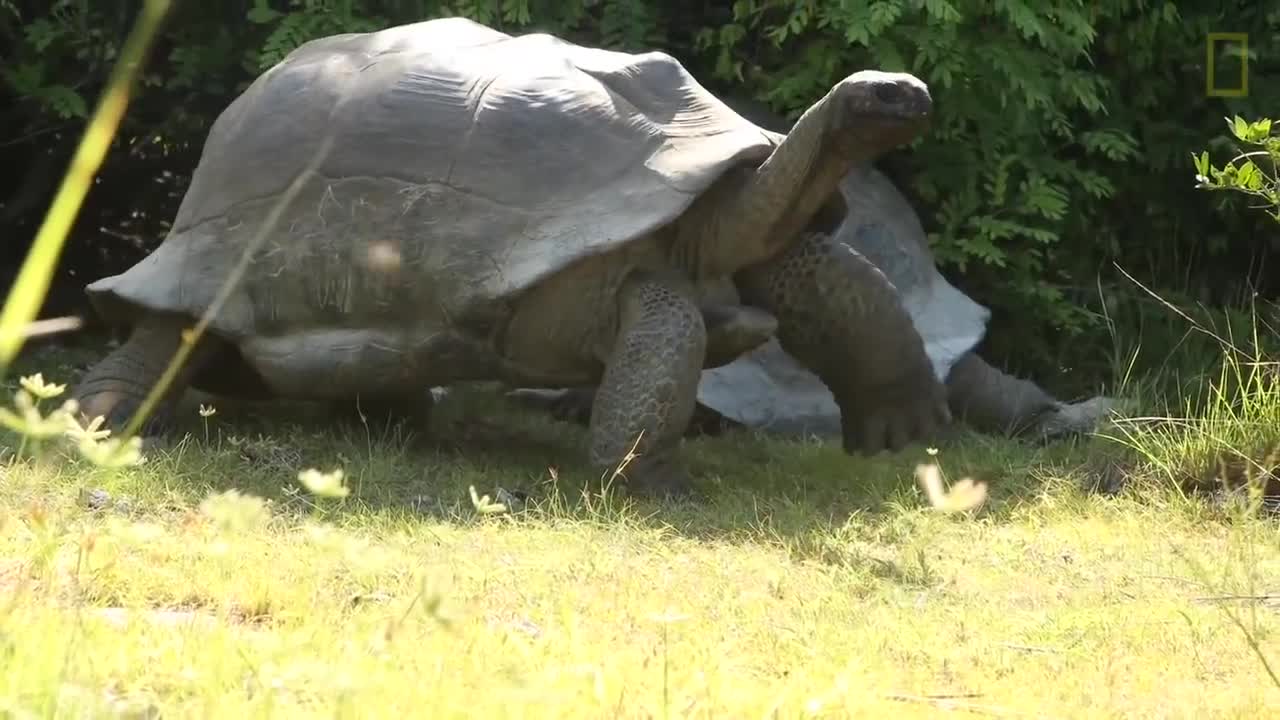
x: 32, y: 283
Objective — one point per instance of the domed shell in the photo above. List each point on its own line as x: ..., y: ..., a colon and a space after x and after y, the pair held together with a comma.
x: 436, y: 170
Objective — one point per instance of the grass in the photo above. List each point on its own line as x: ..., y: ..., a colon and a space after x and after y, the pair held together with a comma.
x: 802, y: 583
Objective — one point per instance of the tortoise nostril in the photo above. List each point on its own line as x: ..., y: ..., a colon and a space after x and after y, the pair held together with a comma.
x: 889, y: 92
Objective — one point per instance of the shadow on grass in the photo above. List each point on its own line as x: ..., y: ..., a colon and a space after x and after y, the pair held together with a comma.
x: 796, y: 492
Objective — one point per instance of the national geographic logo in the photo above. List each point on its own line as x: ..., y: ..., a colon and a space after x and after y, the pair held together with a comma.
x: 1239, y: 45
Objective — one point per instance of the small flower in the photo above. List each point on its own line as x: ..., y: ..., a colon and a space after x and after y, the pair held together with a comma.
x: 28, y: 420
x: 931, y: 451
x: 12, y: 420
x: 207, y: 410
x: 112, y: 453
x: 964, y: 495
x: 483, y: 504
x: 668, y: 617
x: 90, y: 432
x: 324, y: 484
x: 36, y: 385
x: 233, y: 511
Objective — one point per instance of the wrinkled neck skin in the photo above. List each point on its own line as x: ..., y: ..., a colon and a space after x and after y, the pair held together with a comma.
x: 752, y: 215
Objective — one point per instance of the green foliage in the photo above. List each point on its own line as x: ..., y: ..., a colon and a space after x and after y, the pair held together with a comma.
x: 1251, y: 173
x: 1058, y: 149
x: 57, y: 40
x: 307, y: 20
x: 1033, y: 135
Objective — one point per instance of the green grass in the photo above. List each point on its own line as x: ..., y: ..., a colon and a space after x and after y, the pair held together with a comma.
x: 802, y: 583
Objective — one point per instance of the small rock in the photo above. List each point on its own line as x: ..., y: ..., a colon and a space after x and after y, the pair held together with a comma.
x: 96, y: 499
x: 526, y: 626
x: 425, y: 505
x: 514, y: 501
x: 370, y: 597
x: 267, y: 453
x: 99, y: 500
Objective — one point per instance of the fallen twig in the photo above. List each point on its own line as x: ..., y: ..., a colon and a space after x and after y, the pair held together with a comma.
x: 52, y: 326
x: 955, y: 702
x: 1031, y: 648
x: 1238, y: 598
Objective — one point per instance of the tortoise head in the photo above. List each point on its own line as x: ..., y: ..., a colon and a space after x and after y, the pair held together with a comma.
x: 796, y: 187
x: 877, y: 111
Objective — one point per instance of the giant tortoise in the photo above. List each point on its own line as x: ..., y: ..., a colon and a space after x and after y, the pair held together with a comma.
x: 767, y: 389
x: 468, y: 205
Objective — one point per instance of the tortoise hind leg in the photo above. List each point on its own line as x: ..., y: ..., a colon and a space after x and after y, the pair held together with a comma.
x: 993, y: 401
x: 571, y: 405
x: 647, y: 394
x: 734, y: 330
x: 844, y: 321
x: 117, y: 385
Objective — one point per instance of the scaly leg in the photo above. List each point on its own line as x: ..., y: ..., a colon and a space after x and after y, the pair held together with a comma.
x: 732, y: 330
x: 993, y: 401
x: 840, y: 317
x: 117, y: 386
x: 650, y: 385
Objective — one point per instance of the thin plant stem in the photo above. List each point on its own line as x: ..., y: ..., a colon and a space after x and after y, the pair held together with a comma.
x: 32, y: 283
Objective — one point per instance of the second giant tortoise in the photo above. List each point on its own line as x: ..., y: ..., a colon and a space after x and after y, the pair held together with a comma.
x: 768, y: 389
x: 470, y: 205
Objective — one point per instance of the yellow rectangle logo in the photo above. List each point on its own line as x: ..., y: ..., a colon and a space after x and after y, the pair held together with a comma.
x: 1219, y: 38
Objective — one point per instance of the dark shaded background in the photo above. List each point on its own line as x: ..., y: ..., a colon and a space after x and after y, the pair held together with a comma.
x: 1207, y: 252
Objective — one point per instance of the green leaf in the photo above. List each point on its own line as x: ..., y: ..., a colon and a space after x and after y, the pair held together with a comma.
x: 1041, y: 198
x: 1257, y: 132
x: 887, y: 56
x: 1201, y: 162
x: 1248, y: 176
x: 25, y: 79
x: 1113, y: 144
x: 942, y: 11
x: 64, y: 102
x: 982, y: 248
x: 261, y: 15
x: 884, y: 14
x: 42, y: 33
x: 1239, y: 127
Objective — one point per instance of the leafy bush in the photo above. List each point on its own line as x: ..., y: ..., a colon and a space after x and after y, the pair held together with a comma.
x: 1058, y: 148
x: 1253, y: 173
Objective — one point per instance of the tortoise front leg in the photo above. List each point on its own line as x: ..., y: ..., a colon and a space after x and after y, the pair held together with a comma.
x: 117, y: 386
x: 844, y: 321
x: 731, y: 330
x: 650, y: 385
